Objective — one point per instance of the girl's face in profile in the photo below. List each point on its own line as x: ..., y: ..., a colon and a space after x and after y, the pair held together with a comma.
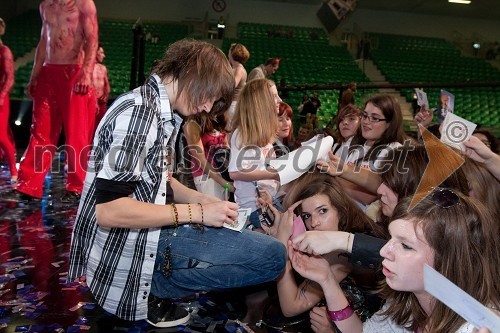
x: 277, y: 98
x: 388, y: 199
x: 405, y: 255
x: 319, y: 214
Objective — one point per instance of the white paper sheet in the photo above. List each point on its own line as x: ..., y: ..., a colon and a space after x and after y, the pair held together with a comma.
x: 459, y: 301
x: 292, y: 165
x: 312, y: 140
x: 243, y: 215
x: 422, y: 98
x: 455, y: 130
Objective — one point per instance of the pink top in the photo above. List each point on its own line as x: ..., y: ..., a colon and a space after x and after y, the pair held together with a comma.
x: 210, y: 142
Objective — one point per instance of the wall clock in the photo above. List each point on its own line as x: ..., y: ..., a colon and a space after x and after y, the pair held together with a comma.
x: 219, y: 5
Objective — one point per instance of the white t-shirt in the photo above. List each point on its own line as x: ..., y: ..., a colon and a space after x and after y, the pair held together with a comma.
x: 342, y: 150
x: 379, y: 324
x: 250, y: 158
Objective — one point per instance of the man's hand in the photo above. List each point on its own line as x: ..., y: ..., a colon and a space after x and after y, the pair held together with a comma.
x: 215, y: 214
x: 83, y: 83
x: 31, y: 87
x: 103, y: 99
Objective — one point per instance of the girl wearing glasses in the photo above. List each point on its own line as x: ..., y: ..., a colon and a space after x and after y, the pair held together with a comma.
x: 448, y: 231
x: 381, y: 131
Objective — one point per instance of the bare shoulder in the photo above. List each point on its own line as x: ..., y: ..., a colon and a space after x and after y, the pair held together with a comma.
x: 41, y: 8
x: 86, y: 7
x: 240, y: 69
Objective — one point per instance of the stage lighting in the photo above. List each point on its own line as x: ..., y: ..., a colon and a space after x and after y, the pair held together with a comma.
x: 462, y: 2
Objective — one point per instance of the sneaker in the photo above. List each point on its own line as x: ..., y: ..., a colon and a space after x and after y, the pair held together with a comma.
x: 164, y: 313
x: 70, y: 198
x: 16, y: 196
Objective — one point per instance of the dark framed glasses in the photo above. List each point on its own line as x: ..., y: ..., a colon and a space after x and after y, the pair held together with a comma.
x: 445, y: 197
x: 372, y: 119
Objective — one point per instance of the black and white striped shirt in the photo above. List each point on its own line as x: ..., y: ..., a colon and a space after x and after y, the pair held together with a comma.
x: 131, y: 145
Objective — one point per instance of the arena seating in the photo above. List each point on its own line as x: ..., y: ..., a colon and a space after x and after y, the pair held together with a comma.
x: 412, y: 59
x: 23, y: 33
x: 307, y: 60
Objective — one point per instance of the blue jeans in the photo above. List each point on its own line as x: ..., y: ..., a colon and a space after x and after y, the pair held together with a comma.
x: 218, y: 258
x: 254, y: 220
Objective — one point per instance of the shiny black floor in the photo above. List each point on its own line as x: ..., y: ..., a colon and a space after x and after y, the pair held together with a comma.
x: 34, y: 295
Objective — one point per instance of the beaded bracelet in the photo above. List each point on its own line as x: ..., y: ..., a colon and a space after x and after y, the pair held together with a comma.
x: 172, y: 212
x: 190, y: 214
x: 340, y: 314
x: 199, y: 226
x: 201, y: 208
x: 175, y: 215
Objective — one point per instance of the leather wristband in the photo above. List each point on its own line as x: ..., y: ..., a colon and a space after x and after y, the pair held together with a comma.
x: 340, y: 314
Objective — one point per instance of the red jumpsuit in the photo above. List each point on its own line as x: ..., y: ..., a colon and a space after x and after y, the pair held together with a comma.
x: 55, y: 104
x: 6, y: 84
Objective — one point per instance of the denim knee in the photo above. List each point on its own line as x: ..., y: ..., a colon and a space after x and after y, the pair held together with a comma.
x: 217, y: 259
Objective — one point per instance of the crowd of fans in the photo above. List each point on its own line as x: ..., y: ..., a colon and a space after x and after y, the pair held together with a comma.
x: 356, y: 265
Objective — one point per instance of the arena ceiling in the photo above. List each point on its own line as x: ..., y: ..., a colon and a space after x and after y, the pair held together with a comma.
x: 479, y: 9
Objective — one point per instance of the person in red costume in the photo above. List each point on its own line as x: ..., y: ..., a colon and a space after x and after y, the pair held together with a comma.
x: 101, y: 85
x: 62, y: 92
x: 6, y: 84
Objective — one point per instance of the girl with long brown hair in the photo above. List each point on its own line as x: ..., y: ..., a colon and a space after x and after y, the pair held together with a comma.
x: 448, y: 231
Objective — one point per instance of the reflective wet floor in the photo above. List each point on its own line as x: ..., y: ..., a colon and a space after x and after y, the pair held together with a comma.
x: 34, y: 296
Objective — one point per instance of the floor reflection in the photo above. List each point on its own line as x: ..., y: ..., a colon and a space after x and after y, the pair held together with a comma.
x: 34, y: 295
